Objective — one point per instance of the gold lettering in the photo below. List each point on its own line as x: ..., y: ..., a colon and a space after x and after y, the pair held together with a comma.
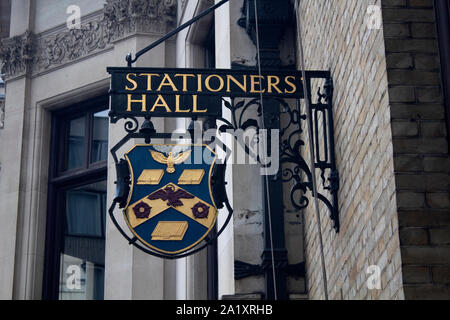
x: 292, y: 85
x: 194, y: 105
x: 253, y: 83
x: 240, y: 85
x: 273, y: 81
x: 208, y: 79
x: 185, y: 76
x: 177, y: 105
x: 160, y: 102
x: 199, y: 83
x: 143, y: 101
x: 149, y: 79
x: 131, y: 81
x: 166, y: 81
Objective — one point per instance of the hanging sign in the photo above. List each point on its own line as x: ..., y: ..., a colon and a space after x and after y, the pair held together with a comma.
x: 170, y: 207
x: 160, y: 92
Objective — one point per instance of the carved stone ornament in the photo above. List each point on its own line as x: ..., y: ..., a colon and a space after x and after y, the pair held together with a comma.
x: 29, y: 53
x: 123, y: 17
x: 16, y: 54
x: 70, y: 45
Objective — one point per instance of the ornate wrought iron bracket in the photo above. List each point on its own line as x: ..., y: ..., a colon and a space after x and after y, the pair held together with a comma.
x: 297, y: 170
x: 325, y: 156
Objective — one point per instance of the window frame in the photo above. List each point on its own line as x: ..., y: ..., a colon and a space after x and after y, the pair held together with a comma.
x: 87, y: 109
x: 101, y: 209
x: 60, y: 181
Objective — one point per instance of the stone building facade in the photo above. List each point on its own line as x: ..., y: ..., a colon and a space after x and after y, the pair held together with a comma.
x: 390, y: 110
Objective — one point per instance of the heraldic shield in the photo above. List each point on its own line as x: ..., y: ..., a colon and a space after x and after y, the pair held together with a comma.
x: 170, y: 207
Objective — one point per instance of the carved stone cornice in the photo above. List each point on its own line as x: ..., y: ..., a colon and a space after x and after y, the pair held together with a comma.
x: 123, y: 17
x: 16, y: 54
x: 63, y: 47
x: 32, y: 54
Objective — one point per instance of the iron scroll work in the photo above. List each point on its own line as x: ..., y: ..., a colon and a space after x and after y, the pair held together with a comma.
x: 149, y: 93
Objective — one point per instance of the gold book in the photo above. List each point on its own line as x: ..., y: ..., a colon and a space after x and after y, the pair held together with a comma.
x: 150, y: 176
x: 170, y: 230
x: 191, y: 176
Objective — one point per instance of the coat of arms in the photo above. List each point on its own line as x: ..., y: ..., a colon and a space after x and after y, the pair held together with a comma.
x: 170, y: 207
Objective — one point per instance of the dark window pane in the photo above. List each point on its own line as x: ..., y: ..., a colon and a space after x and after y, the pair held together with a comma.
x: 75, y: 148
x: 83, y: 213
x: 83, y: 257
x: 100, y: 137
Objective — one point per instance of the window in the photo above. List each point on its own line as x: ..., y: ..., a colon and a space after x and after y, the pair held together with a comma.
x: 75, y: 239
x: 86, y: 141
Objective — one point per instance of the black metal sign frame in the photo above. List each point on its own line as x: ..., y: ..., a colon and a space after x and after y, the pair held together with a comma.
x: 161, y: 92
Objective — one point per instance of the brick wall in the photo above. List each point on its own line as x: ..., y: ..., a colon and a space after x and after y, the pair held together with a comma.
x: 421, y: 158
x: 336, y: 37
